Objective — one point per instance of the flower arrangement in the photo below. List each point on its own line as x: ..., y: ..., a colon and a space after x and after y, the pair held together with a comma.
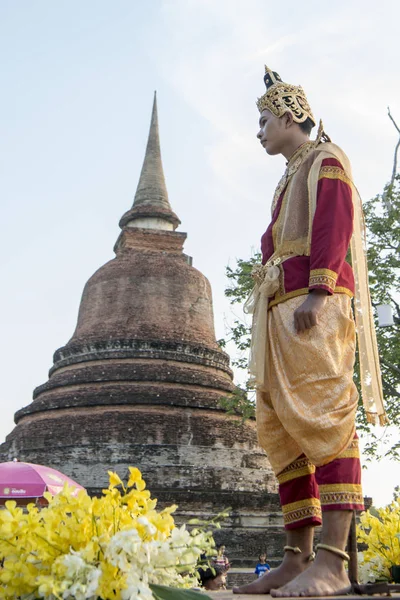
x: 379, y: 529
x: 116, y: 547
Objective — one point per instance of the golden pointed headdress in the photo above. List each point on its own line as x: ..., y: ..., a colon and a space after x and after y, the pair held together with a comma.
x: 282, y: 97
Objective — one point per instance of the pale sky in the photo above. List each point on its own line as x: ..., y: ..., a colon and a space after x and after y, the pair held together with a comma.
x: 77, y: 88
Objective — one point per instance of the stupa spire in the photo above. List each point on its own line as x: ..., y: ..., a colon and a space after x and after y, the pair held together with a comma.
x: 151, y: 208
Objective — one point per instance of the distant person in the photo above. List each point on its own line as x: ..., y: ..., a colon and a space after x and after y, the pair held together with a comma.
x: 221, y: 560
x: 262, y: 565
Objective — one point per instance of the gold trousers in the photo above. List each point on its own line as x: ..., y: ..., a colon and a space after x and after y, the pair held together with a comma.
x: 311, y: 402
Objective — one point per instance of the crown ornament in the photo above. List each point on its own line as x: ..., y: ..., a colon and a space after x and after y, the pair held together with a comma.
x: 282, y: 97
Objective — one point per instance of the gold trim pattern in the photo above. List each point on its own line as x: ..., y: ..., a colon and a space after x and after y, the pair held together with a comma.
x: 342, y: 290
x: 340, y: 487
x: 342, y: 498
x: 341, y: 493
x: 302, y: 292
x: 303, y: 509
x: 326, y: 272
x: 304, y: 513
x: 288, y: 296
x: 331, y: 172
x: 307, y: 502
x: 324, y: 277
x: 275, y: 201
x: 353, y: 451
x: 298, y: 468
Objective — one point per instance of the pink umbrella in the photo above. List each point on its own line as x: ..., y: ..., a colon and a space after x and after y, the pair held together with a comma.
x: 20, y: 481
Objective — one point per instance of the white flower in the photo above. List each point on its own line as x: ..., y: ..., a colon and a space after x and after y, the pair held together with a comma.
x: 151, y: 529
x: 371, y: 570
x: 93, y: 582
x: 180, y: 537
x: 74, y: 563
x: 136, y: 589
x: 123, y: 546
x: 81, y: 579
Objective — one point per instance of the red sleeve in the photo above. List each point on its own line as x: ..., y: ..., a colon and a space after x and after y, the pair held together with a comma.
x: 332, y: 226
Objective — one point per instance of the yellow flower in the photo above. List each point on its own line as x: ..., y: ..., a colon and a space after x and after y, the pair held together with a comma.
x: 380, y: 531
x: 46, y: 553
x: 111, y: 582
x: 114, y: 480
x: 134, y: 476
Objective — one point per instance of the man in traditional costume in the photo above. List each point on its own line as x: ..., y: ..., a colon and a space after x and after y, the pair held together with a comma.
x: 303, y: 345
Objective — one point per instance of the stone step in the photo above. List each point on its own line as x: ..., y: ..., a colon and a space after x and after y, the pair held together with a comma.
x: 239, y: 577
x: 228, y: 595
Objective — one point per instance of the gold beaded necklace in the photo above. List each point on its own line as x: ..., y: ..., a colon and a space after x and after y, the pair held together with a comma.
x: 292, y: 166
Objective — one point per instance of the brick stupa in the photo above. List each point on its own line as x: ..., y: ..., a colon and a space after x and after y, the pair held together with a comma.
x: 140, y: 383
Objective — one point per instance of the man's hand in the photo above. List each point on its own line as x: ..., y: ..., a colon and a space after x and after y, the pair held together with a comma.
x: 306, y: 316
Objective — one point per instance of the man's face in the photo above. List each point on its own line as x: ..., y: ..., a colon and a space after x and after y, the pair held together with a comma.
x: 273, y: 133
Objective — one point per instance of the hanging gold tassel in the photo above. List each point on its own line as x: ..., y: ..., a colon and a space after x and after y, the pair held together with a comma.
x: 383, y: 420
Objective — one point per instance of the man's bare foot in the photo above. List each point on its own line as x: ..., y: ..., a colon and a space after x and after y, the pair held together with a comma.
x: 325, y: 577
x: 291, y: 566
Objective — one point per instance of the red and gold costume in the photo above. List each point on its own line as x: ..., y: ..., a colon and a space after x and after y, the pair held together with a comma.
x: 332, y: 228
x: 306, y: 417
x: 306, y: 396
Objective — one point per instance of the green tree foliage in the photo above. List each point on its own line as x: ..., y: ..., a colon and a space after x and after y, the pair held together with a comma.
x: 382, y: 217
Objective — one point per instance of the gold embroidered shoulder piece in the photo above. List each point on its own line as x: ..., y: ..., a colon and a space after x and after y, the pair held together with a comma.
x: 331, y: 172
